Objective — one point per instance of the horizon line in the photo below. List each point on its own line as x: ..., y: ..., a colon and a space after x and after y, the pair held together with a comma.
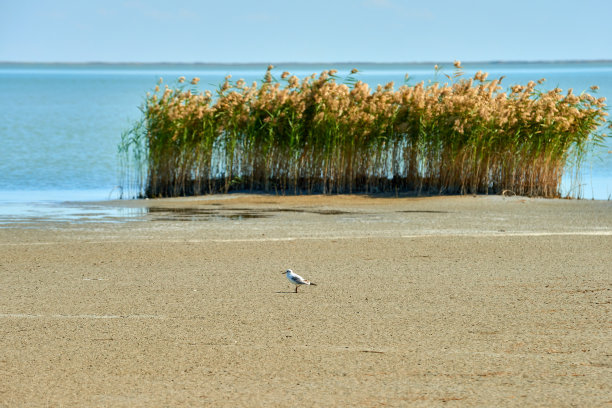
x: 551, y: 61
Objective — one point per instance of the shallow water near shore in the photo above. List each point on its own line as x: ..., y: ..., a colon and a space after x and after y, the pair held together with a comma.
x: 412, y: 213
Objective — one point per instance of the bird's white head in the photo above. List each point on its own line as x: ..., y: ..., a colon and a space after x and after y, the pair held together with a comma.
x: 287, y: 271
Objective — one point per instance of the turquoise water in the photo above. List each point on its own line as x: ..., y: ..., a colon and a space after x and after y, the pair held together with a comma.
x: 60, y: 124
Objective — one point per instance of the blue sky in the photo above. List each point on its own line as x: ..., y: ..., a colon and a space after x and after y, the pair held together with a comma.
x: 304, y: 31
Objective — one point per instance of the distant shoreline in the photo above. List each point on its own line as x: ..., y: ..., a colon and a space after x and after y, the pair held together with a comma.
x: 255, y: 64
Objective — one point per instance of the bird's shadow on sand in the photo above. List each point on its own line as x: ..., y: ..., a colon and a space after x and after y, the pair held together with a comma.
x: 291, y: 292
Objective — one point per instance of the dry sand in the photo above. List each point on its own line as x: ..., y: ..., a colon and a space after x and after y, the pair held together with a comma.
x: 455, y: 301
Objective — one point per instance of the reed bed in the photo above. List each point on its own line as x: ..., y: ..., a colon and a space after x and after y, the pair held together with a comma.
x: 326, y: 134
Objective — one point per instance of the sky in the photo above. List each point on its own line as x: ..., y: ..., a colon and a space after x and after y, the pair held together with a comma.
x: 269, y: 31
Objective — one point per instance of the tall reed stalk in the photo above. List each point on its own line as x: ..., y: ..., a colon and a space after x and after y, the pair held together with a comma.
x: 320, y: 135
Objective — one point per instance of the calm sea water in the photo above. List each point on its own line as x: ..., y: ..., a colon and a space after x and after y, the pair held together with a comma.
x: 60, y: 125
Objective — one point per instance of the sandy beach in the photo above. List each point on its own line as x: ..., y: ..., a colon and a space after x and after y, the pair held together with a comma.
x: 438, y: 301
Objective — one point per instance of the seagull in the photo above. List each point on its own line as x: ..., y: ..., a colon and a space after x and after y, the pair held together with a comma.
x: 296, y: 279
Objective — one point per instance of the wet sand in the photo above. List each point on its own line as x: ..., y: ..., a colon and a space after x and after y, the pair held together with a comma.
x: 454, y: 301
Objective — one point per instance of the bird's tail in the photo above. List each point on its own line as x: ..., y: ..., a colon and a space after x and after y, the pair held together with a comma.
x: 312, y: 283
